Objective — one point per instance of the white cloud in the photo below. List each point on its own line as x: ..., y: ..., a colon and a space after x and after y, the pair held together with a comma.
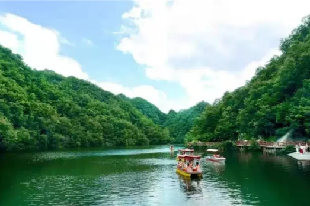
x: 9, y: 40
x: 157, y: 97
x: 209, y: 46
x: 87, y: 42
x: 39, y: 46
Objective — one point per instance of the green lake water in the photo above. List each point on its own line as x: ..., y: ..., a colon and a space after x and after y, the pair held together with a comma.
x: 146, y: 176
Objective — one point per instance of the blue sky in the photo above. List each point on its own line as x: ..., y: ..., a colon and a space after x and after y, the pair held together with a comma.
x: 173, y: 54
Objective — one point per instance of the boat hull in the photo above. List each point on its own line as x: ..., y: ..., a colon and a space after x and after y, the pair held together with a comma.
x: 212, y: 159
x: 191, y: 175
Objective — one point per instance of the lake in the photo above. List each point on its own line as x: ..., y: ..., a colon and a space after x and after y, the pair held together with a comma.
x: 146, y: 176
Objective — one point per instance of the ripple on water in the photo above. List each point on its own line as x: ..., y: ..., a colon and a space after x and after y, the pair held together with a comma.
x: 148, y: 178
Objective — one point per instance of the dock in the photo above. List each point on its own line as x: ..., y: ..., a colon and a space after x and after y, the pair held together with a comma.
x: 267, y: 147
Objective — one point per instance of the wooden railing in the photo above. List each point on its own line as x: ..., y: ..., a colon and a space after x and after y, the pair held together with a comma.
x: 248, y: 143
x: 201, y: 144
x: 266, y: 144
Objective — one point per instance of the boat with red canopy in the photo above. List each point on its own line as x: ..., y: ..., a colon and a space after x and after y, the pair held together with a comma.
x: 186, y: 151
x: 188, y: 166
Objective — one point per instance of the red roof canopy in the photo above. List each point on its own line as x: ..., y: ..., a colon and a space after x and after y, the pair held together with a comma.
x: 189, y: 157
x: 186, y: 150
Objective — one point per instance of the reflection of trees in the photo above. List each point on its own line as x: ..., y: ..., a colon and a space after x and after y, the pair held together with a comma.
x: 245, y: 157
x: 190, y: 186
x: 280, y: 160
x: 267, y: 178
x: 305, y: 165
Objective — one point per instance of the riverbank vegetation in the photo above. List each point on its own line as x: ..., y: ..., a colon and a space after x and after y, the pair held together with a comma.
x: 44, y: 110
x: 275, y: 101
x: 178, y: 123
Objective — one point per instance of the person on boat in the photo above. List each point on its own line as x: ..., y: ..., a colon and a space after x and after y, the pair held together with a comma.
x: 188, y: 169
x: 297, y: 148
x: 196, y: 168
x: 184, y: 167
x: 180, y: 164
x: 191, y: 164
x: 216, y: 156
x: 300, y: 149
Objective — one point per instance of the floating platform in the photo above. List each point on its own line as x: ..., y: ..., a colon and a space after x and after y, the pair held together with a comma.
x: 299, y: 156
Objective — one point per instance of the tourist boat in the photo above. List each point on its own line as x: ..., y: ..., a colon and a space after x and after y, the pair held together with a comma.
x: 214, y: 156
x: 185, y: 152
x: 184, y: 160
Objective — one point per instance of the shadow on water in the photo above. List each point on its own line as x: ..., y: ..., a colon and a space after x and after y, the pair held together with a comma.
x: 190, y: 186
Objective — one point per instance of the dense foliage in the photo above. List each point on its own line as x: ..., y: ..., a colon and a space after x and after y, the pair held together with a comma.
x: 180, y: 123
x: 44, y: 110
x: 147, y: 108
x: 276, y: 100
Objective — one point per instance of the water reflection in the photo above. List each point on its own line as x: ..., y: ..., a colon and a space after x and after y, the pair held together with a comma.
x: 305, y: 165
x: 216, y: 167
x: 190, y: 186
x: 245, y: 157
x: 147, y: 177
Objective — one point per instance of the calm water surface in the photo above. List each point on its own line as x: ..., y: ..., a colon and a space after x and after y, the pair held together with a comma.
x: 146, y: 176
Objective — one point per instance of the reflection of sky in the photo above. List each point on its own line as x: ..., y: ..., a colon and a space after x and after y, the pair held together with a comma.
x: 146, y: 177
x: 149, y: 178
x: 44, y: 156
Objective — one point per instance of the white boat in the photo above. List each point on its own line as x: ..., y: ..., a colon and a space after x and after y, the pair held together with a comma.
x: 214, y: 156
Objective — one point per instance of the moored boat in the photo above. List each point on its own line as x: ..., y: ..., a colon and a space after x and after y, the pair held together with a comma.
x: 214, y: 156
x: 188, y: 166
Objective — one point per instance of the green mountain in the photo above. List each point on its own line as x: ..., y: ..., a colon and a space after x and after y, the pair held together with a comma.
x: 44, y: 110
x: 275, y: 101
x: 178, y: 123
x: 147, y: 108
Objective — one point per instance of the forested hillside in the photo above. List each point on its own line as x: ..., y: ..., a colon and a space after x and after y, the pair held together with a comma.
x: 276, y: 100
x: 44, y: 110
x: 178, y: 123
x: 147, y: 108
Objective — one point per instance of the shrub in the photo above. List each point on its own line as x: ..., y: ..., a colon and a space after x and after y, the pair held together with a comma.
x: 254, y: 145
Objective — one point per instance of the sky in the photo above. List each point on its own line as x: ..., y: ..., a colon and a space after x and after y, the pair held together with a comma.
x: 173, y: 53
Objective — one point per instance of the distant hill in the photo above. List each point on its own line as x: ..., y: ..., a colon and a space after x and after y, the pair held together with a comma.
x: 178, y: 123
x: 147, y: 108
x: 44, y: 110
